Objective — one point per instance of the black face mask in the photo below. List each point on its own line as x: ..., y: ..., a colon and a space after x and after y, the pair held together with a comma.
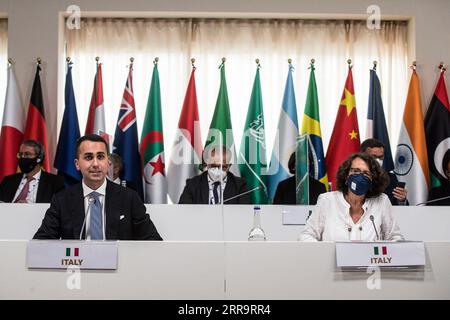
x: 27, y: 165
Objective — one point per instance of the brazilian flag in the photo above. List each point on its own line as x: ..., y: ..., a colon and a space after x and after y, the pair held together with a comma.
x: 437, y: 132
x: 311, y: 126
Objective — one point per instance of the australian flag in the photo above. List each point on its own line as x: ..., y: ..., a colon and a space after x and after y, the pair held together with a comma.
x: 126, y: 139
x: 68, y: 136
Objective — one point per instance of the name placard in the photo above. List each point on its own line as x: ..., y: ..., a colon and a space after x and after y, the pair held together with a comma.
x: 62, y: 254
x: 295, y: 215
x: 380, y: 254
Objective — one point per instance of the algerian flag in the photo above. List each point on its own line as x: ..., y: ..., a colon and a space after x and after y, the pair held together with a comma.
x: 152, y: 145
x: 220, y: 131
x: 252, y: 155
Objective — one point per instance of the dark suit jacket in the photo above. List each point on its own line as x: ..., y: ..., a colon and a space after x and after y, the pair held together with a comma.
x: 440, y: 192
x: 196, y: 190
x: 285, y: 193
x: 49, y: 184
x: 64, y: 219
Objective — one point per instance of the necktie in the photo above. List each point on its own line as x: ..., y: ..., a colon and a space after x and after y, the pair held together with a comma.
x: 215, y: 192
x: 96, y: 228
x: 22, y: 197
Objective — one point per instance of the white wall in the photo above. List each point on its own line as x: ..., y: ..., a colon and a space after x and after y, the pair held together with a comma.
x: 35, y: 28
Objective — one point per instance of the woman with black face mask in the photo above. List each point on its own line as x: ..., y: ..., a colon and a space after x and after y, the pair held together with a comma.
x: 359, y: 210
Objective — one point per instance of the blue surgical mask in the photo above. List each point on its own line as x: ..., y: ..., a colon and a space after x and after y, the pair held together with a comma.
x: 359, y: 184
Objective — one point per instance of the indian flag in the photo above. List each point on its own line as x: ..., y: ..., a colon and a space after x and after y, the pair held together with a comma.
x: 411, y: 161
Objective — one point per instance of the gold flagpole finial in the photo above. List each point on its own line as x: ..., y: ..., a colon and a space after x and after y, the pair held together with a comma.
x: 442, y: 66
x: 39, y: 60
x: 156, y: 60
x: 349, y: 62
x: 257, y: 63
x: 414, y: 65
x: 375, y: 65
x: 192, y: 62
x: 313, y: 61
x: 131, y: 60
x: 224, y: 59
x: 10, y: 61
x: 290, y: 61
x: 68, y: 59
x: 97, y: 59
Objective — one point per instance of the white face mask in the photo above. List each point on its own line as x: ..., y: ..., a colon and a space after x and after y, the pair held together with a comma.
x: 216, y: 174
x: 380, y: 162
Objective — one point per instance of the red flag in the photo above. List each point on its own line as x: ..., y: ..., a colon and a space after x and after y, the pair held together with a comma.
x: 96, y: 117
x: 187, y: 148
x: 12, y: 127
x: 35, y: 128
x: 345, y: 137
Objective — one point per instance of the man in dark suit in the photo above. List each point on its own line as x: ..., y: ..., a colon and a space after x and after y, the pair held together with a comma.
x: 32, y: 185
x: 397, y: 195
x: 96, y: 209
x: 285, y: 193
x: 206, y: 188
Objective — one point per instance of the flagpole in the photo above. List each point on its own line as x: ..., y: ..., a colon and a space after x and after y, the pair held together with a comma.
x: 192, y: 63
x: 375, y: 65
x: 442, y: 67
x: 97, y: 59
x: 414, y: 65
x: 38, y: 61
x: 349, y: 62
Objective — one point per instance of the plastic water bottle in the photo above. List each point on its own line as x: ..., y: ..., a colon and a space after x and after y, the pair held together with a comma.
x: 257, y: 233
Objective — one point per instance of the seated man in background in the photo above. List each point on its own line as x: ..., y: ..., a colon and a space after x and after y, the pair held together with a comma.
x: 397, y: 194
x: 32, y: 185
x: 116, y: 170
x: 443, y: 191
x: 96, y: 209
x: 285, y: 193
x: 206, y: 188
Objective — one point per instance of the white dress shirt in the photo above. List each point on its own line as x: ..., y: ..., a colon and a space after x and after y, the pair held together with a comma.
x: 86, y: 192
x: 32, y: 189
x: 331, y: 220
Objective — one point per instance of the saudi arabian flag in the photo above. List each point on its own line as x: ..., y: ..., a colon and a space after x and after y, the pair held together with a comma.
x: 152, y: 145
x: 220, y: 131
x: 252, y: 155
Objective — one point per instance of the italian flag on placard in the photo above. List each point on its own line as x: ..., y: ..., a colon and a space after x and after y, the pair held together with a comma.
x: 376, y: 251
x: 76, y: 252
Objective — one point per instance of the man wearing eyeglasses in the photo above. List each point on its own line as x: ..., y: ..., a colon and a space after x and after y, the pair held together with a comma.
x: 208, y: 187
x: 32, y: 185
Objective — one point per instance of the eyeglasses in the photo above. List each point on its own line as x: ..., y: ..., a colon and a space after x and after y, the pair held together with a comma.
x: 359, y: 171
x: 224, y: 166
x: 25, y: 155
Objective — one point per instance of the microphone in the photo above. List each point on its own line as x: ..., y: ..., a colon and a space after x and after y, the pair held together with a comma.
x: 434, y: 200
x: 374, y: 228
x: 90, y: 201
x: 243, y: 193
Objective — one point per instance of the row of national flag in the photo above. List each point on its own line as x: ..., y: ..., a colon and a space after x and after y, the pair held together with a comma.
x: 421, y: 146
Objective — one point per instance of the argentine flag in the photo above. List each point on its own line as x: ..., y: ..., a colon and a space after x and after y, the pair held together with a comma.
x: 285, y: 139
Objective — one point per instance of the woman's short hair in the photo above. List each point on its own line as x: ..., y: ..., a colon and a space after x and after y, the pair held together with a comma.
x: 380, y: 179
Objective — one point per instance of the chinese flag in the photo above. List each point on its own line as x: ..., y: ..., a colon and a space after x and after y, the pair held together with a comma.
x: 345, y: 137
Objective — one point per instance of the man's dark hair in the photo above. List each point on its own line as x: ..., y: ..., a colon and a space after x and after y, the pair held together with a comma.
x: 38, y: 149
x: 371, y: 143
x: 89, y: 137
x: 380, y: 178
